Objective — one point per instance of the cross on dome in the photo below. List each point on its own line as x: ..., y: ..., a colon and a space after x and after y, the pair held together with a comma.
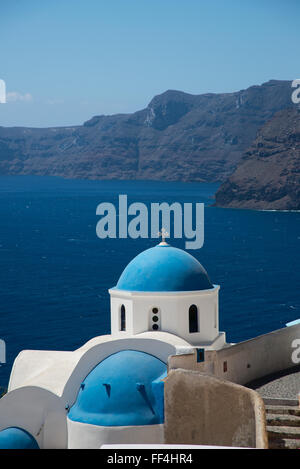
x: 163, y: 234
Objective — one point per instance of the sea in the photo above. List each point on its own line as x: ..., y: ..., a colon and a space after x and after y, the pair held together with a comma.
x: 55, y: 272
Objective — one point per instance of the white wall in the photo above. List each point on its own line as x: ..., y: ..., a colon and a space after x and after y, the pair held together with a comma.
x: 173, y: 313
x: 50, y: 369
x: 248, y: 360
x: 87, y: 436
x: 115, y: 311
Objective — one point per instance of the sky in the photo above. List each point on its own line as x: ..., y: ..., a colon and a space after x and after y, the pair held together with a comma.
x: 64, y: 61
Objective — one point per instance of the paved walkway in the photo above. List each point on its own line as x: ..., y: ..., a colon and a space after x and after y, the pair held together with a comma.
x: 285, y: 384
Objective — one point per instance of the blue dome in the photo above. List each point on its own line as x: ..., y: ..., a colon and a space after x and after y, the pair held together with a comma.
x: 17, y: 438
x: 164, y: 268
x: 124, y: 389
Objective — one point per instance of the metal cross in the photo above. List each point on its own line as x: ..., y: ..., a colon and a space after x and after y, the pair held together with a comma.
x: 164, y: 234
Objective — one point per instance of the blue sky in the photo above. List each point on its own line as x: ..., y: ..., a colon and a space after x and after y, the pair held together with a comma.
x: 64, y: 61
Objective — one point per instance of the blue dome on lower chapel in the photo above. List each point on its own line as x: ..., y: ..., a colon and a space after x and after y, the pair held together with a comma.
x: 125, y: 389
x: 164, y: 268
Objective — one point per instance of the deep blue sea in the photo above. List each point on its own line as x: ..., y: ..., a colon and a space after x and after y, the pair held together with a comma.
x: 55, y: 271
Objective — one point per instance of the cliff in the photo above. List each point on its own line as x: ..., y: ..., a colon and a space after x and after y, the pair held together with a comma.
x: 178, y: 136
x: 268, y: 176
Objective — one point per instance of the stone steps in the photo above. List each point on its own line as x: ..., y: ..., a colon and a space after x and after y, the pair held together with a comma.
x: 283, y: 432
x: 283, y: 420
x: 283, y: 426
x: 285, y: 443
x: 280, y: 401
x: 283, y: 410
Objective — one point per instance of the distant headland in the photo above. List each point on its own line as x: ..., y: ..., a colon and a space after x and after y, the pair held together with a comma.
x: 240, y: 139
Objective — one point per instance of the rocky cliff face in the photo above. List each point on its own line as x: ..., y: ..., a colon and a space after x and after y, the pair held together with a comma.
x: 268, y: 176
x: 177, y: 137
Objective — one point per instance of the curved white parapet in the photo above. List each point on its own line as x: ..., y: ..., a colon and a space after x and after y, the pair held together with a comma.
x: 37, y: 411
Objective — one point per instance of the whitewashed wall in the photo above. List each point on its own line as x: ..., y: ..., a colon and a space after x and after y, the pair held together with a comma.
x: 248, y: 360
x: 86, y: 436
x: 173, y: 313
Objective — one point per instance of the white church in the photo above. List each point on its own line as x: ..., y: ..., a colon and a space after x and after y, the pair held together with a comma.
x: 114, y: 389
x: 111, y: 390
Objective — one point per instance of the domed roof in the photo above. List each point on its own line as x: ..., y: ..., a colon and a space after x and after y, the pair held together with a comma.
x: 126, y: 388
x: 17, y: 438
x: 164, y: 268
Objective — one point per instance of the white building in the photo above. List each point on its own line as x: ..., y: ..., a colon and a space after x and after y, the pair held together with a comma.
x: 111, y: 389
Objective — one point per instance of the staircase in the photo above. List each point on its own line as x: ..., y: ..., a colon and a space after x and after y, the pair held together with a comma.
x: 283, y: 425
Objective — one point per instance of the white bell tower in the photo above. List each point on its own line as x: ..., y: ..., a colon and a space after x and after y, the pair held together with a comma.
x: 165, y: 289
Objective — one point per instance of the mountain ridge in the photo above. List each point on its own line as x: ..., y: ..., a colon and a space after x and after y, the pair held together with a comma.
x: 177, y: 137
